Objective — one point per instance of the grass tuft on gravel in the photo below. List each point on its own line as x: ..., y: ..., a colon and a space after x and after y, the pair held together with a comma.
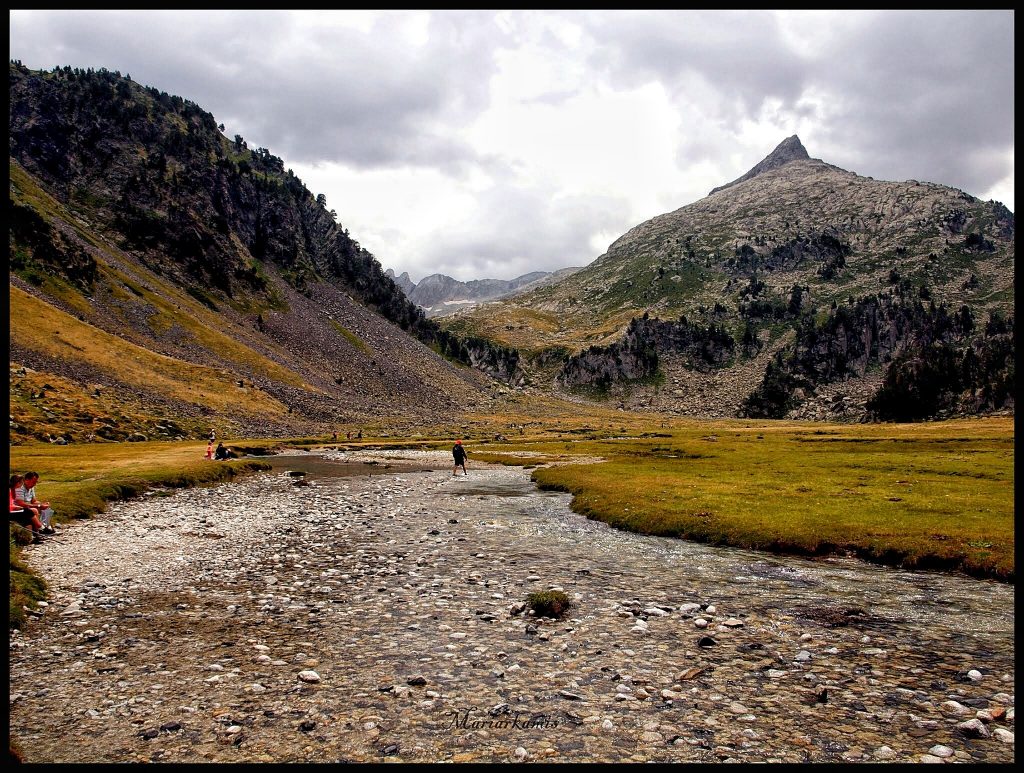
x: 549, y: 603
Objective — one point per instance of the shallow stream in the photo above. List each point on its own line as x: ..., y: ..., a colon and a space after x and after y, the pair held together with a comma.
x: 184, y: 628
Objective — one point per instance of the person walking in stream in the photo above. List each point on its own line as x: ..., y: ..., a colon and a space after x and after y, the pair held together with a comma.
x: 459, y: 453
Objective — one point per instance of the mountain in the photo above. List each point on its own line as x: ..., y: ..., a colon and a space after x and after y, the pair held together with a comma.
x: 799, y: 290
x: 439, y: 295
x: 402, y: 281
x: 165, y: 277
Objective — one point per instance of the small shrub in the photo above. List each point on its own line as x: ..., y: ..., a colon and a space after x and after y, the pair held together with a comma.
x: 549, y: 603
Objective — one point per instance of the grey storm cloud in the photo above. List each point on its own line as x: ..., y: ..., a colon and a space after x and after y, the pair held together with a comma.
x: 929, y: 97
x: 925, y: 95
x: 367, y: 99
x: 739, y: 54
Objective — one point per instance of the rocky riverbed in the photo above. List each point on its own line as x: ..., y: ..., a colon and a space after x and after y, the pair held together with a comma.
x: 386, y: 623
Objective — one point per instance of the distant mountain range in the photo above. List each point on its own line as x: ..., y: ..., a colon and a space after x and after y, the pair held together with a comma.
x: 439, y: 295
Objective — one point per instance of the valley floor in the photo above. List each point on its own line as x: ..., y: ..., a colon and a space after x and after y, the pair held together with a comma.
x: 216, y: 624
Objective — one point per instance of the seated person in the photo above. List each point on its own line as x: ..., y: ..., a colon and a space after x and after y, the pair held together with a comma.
x: 221, y: 452
x: 25, y: 496
x: 23, y: 516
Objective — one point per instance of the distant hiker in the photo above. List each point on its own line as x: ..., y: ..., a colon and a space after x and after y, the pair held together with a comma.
x: 334, y: 436
x: 23, y: 516
x: 360, y: 435
x: 348, y: 435
x: 209, y: 450
x: 459, y: 453
x: 25, y: 496
x: 213, y: 436
x: 221, y: 453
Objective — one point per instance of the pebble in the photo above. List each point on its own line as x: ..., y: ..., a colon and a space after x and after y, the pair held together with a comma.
x: 974, y: 728
x: 955, y: 707
x: 309, y: 676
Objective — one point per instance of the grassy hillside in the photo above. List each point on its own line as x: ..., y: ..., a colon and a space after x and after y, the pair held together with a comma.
x: 49, y: 331
x: 134, y: 217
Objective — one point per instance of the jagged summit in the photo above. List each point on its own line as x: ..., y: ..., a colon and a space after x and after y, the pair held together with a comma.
x: 790, y: 149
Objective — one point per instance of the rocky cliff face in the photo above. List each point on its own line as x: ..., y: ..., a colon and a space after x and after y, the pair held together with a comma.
x: 404, y: 282
x: 635, y: 356
x: 932, y: 362
x: 790, y: 149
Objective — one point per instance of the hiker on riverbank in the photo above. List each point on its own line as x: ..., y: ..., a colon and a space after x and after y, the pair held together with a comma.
x: 459, y: 454
x: 209, y: 450
x: 221, y: 452
x: 25, y: 496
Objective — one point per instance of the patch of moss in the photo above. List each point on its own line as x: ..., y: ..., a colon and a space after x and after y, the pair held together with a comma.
x: 352, y: 338
x: 549, y: 603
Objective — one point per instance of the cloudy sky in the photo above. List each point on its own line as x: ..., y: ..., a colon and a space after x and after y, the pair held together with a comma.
x: 493, y: 143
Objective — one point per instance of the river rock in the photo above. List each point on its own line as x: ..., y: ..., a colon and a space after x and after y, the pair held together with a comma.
x: 974, y: 728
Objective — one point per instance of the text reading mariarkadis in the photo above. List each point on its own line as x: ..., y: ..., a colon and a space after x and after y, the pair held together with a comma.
x: 501, y: 717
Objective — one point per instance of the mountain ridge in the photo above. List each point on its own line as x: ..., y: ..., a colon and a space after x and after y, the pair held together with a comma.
x: 164, y: 277
x: 132, y: 214
x: 790, y: 149
x: 439, y: 294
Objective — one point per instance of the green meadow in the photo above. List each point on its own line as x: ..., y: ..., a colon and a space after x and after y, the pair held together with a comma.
x: 934, y: 495
x: 930, y: 495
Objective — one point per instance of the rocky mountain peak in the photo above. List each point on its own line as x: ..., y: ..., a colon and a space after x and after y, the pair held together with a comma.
x: 403, y: 281
x: 790, y: 149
